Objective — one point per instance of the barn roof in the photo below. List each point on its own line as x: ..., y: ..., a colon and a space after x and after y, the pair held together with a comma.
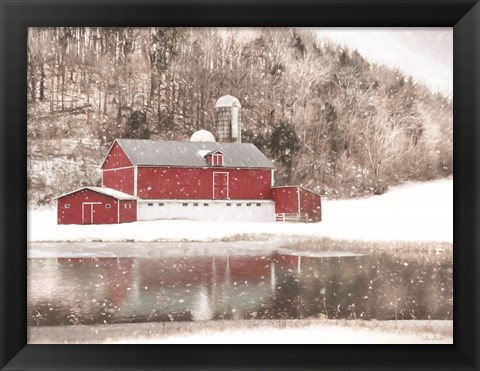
x: 174, y: 153
x: 105, y: 191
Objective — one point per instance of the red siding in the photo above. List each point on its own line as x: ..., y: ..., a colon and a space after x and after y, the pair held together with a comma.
x: 286, y: 199
x: 193, y: 183
x: 80, y: 212
x: 311, y: 204
x: 120, y: 179
x: 128, y: 211
x: 116, y: 158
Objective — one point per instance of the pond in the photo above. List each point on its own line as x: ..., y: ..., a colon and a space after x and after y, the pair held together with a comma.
x: 279, y: 285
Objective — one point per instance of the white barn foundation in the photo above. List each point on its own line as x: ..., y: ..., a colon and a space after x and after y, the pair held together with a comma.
x: 208, y: 210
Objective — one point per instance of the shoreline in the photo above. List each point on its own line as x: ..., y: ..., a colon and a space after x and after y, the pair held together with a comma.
x: 320, y: 247
x: 303, y: 331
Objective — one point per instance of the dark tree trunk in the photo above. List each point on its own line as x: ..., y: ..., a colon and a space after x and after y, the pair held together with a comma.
x: 42, y: 82
x: 33, y: 86
x: 105, y: 103
x: 63, y: 88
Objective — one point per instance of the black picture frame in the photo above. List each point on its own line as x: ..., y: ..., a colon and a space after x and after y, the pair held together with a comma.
x: 18, y: 15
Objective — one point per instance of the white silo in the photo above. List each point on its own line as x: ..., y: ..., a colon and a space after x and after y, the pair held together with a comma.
x: 228, y: 126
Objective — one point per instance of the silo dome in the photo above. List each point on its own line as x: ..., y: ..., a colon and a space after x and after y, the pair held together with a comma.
x: 202, y: 136
x: 227, y: 101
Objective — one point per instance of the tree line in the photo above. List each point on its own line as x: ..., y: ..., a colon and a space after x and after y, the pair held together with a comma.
x: 332, y: 121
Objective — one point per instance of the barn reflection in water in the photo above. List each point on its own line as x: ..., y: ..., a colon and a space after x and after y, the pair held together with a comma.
x: 66, y: 291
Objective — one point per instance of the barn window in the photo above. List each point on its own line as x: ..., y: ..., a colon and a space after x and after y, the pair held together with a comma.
x: 150, y: 204
x: 218, y: 159
x: 229, y: 204
x: 249, y: 204
x: 259, y: 204
x: 185, y: 204
x: 239, y: 204
x: 125, y: 206
x: 67, y: 206
x: 195, y: 204
x: 205, y: 204
x: 160, y: 204
x: 215, y: 158
x: 108, y: 206
x: 129, y: 206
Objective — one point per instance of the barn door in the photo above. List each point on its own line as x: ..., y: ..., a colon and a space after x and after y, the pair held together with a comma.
x: 220, y: 186
x: 87, y: 213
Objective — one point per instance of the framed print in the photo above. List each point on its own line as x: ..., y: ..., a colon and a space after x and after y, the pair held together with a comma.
x: 239, y: 185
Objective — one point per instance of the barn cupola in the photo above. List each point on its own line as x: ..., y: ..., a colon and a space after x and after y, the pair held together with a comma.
x: 202, y: 136
x: 228, y: 126
x: 214, y: 158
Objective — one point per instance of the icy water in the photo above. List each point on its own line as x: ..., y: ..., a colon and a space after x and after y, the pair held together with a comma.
x: 279, y: 285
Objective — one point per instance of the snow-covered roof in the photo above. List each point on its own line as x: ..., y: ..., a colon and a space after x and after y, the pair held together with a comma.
x: 105, y: 191
x: 189, y: 154
x: 227, y: 101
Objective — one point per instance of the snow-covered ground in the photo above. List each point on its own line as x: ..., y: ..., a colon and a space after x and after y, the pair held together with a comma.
x: 412, y: 212
x: 315, y: 334
x: 252, y: 332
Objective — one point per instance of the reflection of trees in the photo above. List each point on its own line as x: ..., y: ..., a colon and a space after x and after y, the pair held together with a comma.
x: 287, y: 297
x: 380, y: 286
x: 89, y: 293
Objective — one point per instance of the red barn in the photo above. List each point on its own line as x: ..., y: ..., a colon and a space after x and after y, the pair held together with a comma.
x: 293, y: 203
x: 200, y: 179
x: 192, y: 180
x: 153, y: 170
x: 96, y: 205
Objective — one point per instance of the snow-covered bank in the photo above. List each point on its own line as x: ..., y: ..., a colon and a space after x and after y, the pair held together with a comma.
x: 413, y: 212
x: 172, y: 249
x: 252, y: 332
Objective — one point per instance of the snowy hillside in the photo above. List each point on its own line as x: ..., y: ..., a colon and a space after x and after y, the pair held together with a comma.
x: 413, y: 212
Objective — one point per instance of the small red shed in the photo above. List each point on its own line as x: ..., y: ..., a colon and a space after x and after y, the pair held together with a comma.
x: 293, y: 203
x: 96, y: 205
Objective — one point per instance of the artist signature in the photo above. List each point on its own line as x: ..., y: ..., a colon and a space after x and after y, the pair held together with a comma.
x: 432, y: 338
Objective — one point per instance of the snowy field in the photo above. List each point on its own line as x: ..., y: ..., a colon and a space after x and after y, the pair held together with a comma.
x: 312, y: 331
x: 412, y: 212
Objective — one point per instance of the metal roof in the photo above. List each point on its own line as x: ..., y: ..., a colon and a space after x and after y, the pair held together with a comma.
x: 189, y: 154
x: 103, y: 190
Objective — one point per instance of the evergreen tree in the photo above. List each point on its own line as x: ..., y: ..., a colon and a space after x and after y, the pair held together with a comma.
x: 284, y: 144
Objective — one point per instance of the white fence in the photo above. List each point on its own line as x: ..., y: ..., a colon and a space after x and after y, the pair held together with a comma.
x: 291, y: 217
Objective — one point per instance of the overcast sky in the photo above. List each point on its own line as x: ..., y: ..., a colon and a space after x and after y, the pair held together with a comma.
x: 424, y: 53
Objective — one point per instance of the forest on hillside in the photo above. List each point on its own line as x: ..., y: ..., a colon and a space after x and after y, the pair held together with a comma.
x: 332, y: 121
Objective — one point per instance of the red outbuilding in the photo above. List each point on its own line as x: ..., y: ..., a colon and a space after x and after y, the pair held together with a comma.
x: 293, y: 203
x: 96, y: 205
